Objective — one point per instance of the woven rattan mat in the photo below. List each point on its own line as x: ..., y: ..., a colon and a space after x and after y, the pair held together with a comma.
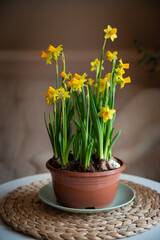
x: 25, y: 212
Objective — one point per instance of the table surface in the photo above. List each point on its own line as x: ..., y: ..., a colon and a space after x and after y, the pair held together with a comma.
x: 7, y: 233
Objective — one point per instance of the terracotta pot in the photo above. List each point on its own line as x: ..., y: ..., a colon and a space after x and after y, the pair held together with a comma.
x: 85, y: 190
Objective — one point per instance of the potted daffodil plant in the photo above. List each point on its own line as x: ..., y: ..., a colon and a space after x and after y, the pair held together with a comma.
x: 84, y: 172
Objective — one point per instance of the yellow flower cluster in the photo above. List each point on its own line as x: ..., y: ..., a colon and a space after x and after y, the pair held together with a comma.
x: 53, y: 53
x: 76, y: 82
x: 53, y: 94
x: 120, y: 72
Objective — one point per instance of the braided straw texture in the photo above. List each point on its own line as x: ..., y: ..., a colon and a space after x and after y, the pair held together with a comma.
x: 23, y: 211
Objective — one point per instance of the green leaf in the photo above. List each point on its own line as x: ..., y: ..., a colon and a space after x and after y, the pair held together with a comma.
x: 83, y: 104
x: 89, y: 153
x: 69, y: 146
x: 114, y: 139
x: 114, y: 117
x: 51, y: 123
x: 111, y: 133
x: 83, y: 133
x: 70, y: 115
x: 68, y: 104
x: 79, y: 105
x: 97, y: 125
x: 77, y: 123
x: 46, y: 125
x: 51, y: 135
x: 76, y: 147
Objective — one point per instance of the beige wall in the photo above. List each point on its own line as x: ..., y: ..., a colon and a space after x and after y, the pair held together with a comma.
x: 27, y: 27
x: 77, y: 24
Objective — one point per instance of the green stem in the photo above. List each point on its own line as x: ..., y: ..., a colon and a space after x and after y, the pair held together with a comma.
x: 100, y: 71
x: 74, y: 104
x: 111, y: 83
x: 55, y: 115
x: 105, y: 96
x: 96, y: 77
x: 55, y: 129
x: 64, y: 127
x: 57, y: 81
x: 57, y: 73
x: 88, y: 111
x: 64, y: 70
x: 109, y: 128
x: 113, y: 99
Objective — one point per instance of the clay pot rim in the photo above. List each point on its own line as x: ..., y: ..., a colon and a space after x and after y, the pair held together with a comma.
x: 87, y: 174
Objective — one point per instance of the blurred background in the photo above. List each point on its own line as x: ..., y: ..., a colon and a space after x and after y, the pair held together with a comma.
x: 27, y: 27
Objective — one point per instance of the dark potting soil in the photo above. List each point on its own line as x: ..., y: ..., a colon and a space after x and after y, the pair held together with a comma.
x: 95, y: 165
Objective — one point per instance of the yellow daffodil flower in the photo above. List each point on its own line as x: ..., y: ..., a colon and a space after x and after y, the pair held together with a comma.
x: 96, y: 64
x: 122, y: 80
x: 51, y: 95
x: 125, y: 80
x: 120, y: 71
x: 106, y: 113
x: 56, y: 51
x: 110, y: 33
x: 48, y: 56
x: 111, y: 55
x: 43, y: 54
x: 123, y: 65
x: 78, y: 83
x: 63, y: 94
x: 90, y: 81
x: 65, y: 76
x: 104, y: 83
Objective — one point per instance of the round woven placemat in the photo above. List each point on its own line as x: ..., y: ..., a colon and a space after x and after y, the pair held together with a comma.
x: 25, y: 212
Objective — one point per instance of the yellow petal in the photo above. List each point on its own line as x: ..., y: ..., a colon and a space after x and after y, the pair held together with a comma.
x: 69, y: 84
x: 63, y: 74
x: 75, y: 81
x: 100, y: 114
x: 51, y: 49
x: 102, y: 109
x: 126, y: 65
x: 127, y: 80
x: 109, y: 54
x: 107, y: 108
x: 77, y: 76
x: 43, y: 54
x: 105, y: 119
x: 112, y: 111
